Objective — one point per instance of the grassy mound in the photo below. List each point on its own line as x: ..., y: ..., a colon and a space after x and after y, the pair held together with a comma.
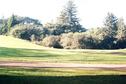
x: 11, y: 42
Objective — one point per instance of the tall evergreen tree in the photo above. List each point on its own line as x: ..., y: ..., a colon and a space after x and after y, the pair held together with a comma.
x: 11, y: 22
x: 111, y: 24
x: 3, y: 28
x: 68, y: 14
x: 68, y: 18
x: 121, y: 32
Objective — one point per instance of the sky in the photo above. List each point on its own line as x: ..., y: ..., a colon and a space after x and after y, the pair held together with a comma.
x: 90, y: 12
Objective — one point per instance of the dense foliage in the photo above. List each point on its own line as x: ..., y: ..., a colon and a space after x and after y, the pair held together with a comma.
x: 67, y: 21
x: 66, y: 31
x: 29, y: 32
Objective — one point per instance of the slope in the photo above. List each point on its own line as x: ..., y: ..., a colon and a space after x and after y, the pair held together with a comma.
x: 11, y: 42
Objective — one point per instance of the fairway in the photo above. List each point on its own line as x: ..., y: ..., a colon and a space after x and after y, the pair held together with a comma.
x: 63, y: 56
x: 62, y: 42
x: 13, y: 49
x: 39, y: 65
x: 37, y: 75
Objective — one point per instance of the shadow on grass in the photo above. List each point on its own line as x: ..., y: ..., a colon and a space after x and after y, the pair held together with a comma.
x: 100, y: 79
x: 18, y: 52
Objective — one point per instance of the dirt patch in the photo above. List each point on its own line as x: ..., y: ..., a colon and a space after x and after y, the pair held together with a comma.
x: 63, y: 65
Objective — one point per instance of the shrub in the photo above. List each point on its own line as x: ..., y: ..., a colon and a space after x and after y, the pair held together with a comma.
x: 51, y: 41
x: 77, y: 41
x: 66, y: 40
x: 27, y: 32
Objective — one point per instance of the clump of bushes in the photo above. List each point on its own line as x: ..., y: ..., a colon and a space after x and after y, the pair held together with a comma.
x: 52, y: 41
x: 69, y: 41
x: 29, y: 32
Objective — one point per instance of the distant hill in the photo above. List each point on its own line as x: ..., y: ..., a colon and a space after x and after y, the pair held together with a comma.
x: 11, y: 42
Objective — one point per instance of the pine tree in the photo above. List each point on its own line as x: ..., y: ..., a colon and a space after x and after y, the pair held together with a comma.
x: 3, y: 28
x: 121, y: 32
x: 111, y: 24
x: 68, y: 14
x: 68, y: 18
x: 11, y: 22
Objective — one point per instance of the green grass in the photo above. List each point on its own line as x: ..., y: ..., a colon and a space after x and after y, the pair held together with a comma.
x: 19, y: 50
x: 11, y: 42
x: 99, y: 79
x: 15, y: 75
x: 17, y: 71
x: 70, y: 56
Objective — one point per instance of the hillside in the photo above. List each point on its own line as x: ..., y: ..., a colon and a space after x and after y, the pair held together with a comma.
x: 11, y: 42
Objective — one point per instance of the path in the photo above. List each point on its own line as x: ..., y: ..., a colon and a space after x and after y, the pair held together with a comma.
x: 63, y: 65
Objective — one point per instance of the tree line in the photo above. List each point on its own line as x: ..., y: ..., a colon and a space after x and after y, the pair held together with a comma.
x: 66, y: 31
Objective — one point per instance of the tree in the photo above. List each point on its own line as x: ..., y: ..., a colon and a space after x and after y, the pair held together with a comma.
x: 111, y: 24
x: 121, y: 32
x: 66, y: 40
x: 32, y: 38
x: 3, y: 28
x: 77, y: 41
x: 68, y: 19
x: 52, y: 41
x: 68, y: 14
x: 11, y: 22
x: 29, y: 32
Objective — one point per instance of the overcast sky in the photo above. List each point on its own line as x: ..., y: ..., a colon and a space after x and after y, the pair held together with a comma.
x: 90, y: 12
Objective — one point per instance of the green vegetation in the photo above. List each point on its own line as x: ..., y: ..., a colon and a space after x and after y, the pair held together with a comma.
x: 66, y: 31
x: 100, y: 79
x: 27, y: 75
x: 16, y: 71
x: 71, y: 56
x: 11, y: 42
x: 15, y: 75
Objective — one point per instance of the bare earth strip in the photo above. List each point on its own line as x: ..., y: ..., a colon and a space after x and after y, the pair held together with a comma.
x: 64, y: 65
